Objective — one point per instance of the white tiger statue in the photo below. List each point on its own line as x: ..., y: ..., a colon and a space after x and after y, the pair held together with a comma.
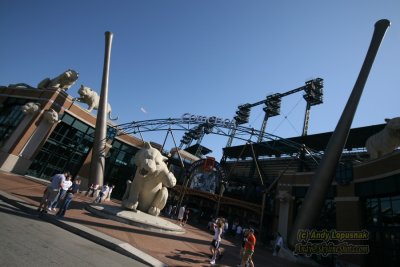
x: 148, y: 191
x: 384, y: 141
x: 63, y: 81
x: 30, y: 108
x: 91, y: 98
x: 51, y: 116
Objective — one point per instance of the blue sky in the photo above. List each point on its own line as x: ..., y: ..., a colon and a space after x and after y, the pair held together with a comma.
x: 207, y: 57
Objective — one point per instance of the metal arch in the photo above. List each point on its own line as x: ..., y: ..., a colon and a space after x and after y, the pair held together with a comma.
x: 245, y: 134
x: 176, y: 124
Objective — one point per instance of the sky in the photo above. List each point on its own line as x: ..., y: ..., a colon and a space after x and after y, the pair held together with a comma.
x: 207, y: 57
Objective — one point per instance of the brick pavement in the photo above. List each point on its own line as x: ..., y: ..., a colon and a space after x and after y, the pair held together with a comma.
x: 189, y: 249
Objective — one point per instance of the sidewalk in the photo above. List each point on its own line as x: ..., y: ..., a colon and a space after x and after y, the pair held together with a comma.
x: 152, y: 248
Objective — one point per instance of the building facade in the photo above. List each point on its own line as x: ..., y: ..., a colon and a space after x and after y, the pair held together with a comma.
x: 43, y: 132
x: 32, y: 144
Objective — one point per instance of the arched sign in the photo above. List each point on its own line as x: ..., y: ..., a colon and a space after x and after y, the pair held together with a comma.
x: 205, y: 175
x: 187, y: 117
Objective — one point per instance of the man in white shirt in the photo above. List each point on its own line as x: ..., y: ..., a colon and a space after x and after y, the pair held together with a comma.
x: 49, y: 195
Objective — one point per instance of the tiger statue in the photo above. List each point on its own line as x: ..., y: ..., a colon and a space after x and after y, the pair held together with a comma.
x: 91, y: 98
x: 386, y: 140
x: 63, y: 81
x: 30, y: 108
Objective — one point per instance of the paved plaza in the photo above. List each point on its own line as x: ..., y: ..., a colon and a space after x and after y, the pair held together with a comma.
x: 153, y: 248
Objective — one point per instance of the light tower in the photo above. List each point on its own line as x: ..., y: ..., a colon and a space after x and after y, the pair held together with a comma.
x: 313, y: 94
x: 272, y: 108
x: 242, y: 117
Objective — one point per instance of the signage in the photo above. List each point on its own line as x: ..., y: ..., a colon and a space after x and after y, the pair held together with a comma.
x: 190, y: 118
x: 204, y: 178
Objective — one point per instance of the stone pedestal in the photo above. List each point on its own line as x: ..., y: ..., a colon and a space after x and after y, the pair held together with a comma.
x: 136, y: 218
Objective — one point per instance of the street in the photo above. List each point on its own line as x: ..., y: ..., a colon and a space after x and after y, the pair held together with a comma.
x: 27, y: 240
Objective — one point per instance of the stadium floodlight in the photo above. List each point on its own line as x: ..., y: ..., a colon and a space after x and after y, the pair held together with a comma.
x: 313, y: 91
x: 186, y: 139
x: 243, y: 114
x: 273, y: 105
x: 195, y: 133
x: 208, y: 128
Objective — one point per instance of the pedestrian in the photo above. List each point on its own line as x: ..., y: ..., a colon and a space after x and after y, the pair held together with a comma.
x: 278, y: 244
x: 211, y: 223
x: 248, y: 250
x: 185, y: 217
x: 61, y: 194
x: 74, y: 188
x: 52, y: 190
x: 245, y: 235
x: 109, y: 192
x: 226, y: 228
x: 169, y: 210
x: 234, y: 225
x: 181, y: 213
x: 215, y: 243
x: 103, y: 192
x: 92, y: 188
x: 173, y: 212
x: 239, y: 230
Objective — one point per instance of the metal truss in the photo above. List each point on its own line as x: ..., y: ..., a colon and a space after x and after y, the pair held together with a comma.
x: 249, y: 135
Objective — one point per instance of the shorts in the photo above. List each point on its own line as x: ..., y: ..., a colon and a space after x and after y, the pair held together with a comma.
x: 215, y: 243
x: 247, y: 253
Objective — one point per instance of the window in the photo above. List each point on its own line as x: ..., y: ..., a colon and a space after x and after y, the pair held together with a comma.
x: 10, y: 116
x: 383, y: 224
x: 66, y: 149
x: 120, y: 166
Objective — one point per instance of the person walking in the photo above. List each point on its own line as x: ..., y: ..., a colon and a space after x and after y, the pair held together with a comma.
x: 61, y: 194
x: 169, y: 210
x: 74, y: 188
x: 210, y: 224
x: 239, y: 230
x: 234, y: 225
x: 226, y: 229
x: 278, y: 244
x: 92, y: 188
x: 181, y: 214
x: 103, y: 192
x: 52, y: 190
x: 245, y: 235
x: 248, y: 250
x: 185, y: 217
x: 108, y: 198
x: 215, y: 243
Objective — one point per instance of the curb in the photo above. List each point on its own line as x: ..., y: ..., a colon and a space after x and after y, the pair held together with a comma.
x: 85, y: 232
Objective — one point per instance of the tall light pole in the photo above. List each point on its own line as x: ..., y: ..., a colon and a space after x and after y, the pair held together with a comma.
x: 99, y: 145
